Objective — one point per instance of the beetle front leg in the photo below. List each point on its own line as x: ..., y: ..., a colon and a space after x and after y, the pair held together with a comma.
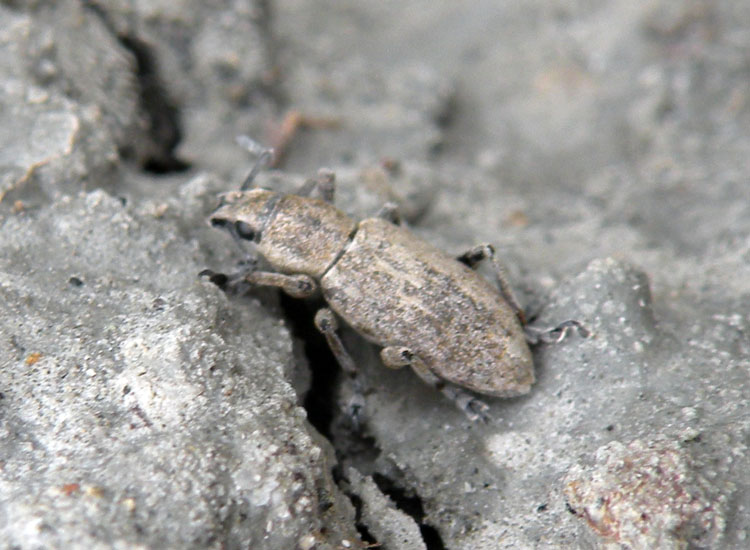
x: 297, y: 286
x: 326, y: 323
x: 397, y: 357
x: 474, y: 256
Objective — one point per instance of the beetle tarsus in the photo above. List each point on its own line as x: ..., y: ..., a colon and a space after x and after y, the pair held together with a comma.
x: 326, y: 184
x: 231, y: 284
x: 355, y: 408
x: 554, y: 335
x: 219, y: 279
x: 475, y: 409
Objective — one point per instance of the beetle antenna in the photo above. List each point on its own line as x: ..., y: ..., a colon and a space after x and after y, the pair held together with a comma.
x: 265, y: 156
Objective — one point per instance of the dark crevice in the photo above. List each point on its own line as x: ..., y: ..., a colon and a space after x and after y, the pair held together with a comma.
x: 160, y: 112
x: 320, y: 401
x: 364, y: 532
x: 352, y: 447
x: 410, y: 503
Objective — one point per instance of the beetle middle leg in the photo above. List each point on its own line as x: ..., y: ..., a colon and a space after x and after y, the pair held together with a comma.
x: 326, y: 323
x: 397, y: 357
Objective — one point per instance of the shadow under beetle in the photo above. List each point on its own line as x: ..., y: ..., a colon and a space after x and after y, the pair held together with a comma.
x: 425, y: 309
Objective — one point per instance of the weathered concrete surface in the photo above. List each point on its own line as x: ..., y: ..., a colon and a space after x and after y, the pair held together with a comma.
x: 134, y: 413
x: 601, y: 146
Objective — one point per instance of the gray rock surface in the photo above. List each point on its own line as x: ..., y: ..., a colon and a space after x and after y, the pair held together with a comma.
x: 389, y: 525
x: 134, y: 413
x: 601, y: 146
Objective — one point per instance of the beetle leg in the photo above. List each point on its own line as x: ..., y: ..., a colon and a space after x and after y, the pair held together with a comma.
x: 389, y: 211
x: 396, y: 357
x: 297, y: 286
x: 306, y: 188
x: 219, y: 279
x: 265, y: 157
x: 322, y: 187
x: 474, y: 256
x: 231, y: 284
x: 326, y: 323
x: 536, y: 335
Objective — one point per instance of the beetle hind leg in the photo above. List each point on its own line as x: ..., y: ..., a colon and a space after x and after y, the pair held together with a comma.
x: 554, y: 335
x: 474, y: 256
x: 396, y: 357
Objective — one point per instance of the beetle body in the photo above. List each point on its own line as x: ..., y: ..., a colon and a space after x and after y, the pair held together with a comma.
x: 399, y: 291
x: 392, y: 287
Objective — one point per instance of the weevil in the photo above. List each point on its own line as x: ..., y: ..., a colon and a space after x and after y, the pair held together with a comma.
x: 425, y: 309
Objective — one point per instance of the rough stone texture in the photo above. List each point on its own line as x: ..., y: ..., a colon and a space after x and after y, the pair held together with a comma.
x: 50, y: 145
x: 647, y: 495
x: 225, y: 65
x: 135, y: 414
x: 390, y: 526
x: 602, y: 146
x: 211, y: 59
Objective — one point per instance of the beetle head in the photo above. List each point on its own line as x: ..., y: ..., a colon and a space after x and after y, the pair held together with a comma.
x: 245, y: 214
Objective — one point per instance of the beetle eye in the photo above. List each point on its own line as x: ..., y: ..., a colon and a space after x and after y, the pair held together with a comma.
x: 244, y: 230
